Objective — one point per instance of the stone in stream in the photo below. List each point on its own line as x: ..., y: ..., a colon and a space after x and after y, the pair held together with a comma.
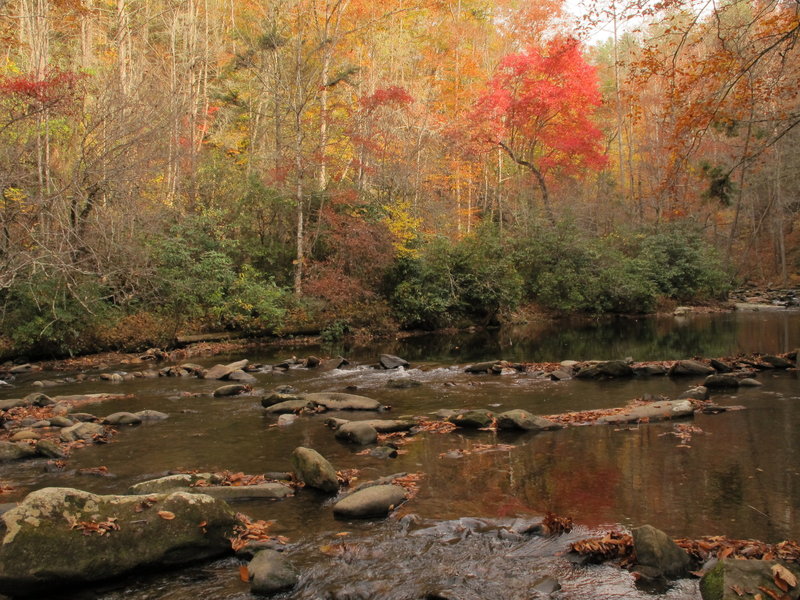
x: 37, y: 399
x: 286, y: 419
x: 15, y: 451
x: 314, y: 470
x: 60, y: 537
x: 59, y: 421
x: 689, y: 368
x: 777, y: 362
x: 231, y: 390
x: 81, y: 431
x: 288, y: 406
x: 171, y: 483
x: 473, y: 419
x: 733, y: 579
x: 24, y: 435
x: 223, y: 371
x: 357, y: 432
x: 720, y: 367
x: 721, y: 381
x: 523, y: 420
x: 609, y: 369
x: 389, y: 361
x: 333, y: 363
x: 374, y: 501
x: 151, y: 415
x: 657, y: 555
x: 649, y: 370
x: 655, y: 411
x: 696, y: 393
x: 483, y: 367
x: 232, y: 493
x: 242, y: 377
x: 383, y: 452
x: 49, y: 449
x: 341, y: 401
x: 270, y: 572
x: 122, y: 418
x: 749, y: 382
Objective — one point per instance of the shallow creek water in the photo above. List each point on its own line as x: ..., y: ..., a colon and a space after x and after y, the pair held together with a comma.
x: 740, y: 477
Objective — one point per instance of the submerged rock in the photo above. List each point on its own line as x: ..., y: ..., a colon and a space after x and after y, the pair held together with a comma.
x: 122, y: 418
x: 271, y: 572
x: 657, y: 555
x: 151, y: 415
x: 374, y: 501
x: 734, y: 579
x: 314, y: 470
x: 233, y: 389
x: 61, y: 537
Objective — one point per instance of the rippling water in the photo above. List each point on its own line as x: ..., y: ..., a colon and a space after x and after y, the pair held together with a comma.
x: 739, y: 477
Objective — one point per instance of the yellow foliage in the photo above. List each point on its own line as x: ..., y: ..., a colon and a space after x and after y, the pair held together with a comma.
x: 404, y: 226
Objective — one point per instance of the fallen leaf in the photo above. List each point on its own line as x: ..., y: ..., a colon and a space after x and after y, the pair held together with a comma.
x: 166, y: 515
x: 342, y: 533
x: 243, y: 574
x: 783, y: 577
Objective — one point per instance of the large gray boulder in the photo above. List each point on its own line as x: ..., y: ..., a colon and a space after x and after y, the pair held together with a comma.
x: 523, y: 420
x: 374, y: 501
x: 390, y: 361
x: 733, y: 579
x: 15, y: 451
x: 270, y: 572
x: 81, y: 431
x: 61, y: 537
x: 223, y: 371
x: 473, y: 419
x: 657, y: 555
x: 721, y: 381
x: 314, y: 470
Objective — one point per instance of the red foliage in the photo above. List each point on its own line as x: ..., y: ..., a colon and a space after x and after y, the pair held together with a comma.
x: 56, y: 88
x: 540, y: 103
x: 394, y: 96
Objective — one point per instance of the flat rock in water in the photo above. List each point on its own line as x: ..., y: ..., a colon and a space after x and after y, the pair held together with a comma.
x: 733, y: 579
x: 473, y: 419
x: 231, y: 493
x: 314, y: 470
x: 389, y: 361
x: 721, y: 381
x: 288, y: 406
x: 649, y: 370
x: 357, y: 432
x: 690, y: 368
x: 222, y: 371
x: 151, y: 415
x: 609, y: 369
x: 696, y: 393
x: 483, y: 367
x: 15, y: 451
x: 242, y: 377
x: 233, y: 389
x: 657, y: 555
x: 656, y: 411
x: 170, y: 483
x: 286, y: 419
x: 777, y: 362
x: 81, y: 431
x: 374, y: 501
x: 341, y: 401
x: 332, y: 364
x: 270, y: 572
x: 49, y: 449
x: 749, y: 382
x: 388, y: 425
x: 720, y: 367
x: 523, y: 420
x: 122, y: 418
x: 53, y: 537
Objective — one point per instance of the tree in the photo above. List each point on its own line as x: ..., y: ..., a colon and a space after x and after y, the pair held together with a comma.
x: 539, y: 108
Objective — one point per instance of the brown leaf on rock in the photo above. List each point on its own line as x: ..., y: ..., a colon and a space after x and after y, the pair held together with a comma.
x: 249, y: 531
x: 166, y: 515
x: 556, y: 525
x: 783, y: 577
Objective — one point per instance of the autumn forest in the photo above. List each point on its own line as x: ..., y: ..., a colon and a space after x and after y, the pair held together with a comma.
x: 344, y: 166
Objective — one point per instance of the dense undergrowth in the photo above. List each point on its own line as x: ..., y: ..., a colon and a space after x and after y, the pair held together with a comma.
x: 193, y: 280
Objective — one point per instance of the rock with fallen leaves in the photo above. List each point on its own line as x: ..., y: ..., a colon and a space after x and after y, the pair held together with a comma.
x: 657, y: 555
x: 61, y: 537
x: 314, y: 470
x: 735, y: 579
x: 523, y: 420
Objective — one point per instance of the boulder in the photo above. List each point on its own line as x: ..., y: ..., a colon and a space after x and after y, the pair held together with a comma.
x: 25, y: 434
x: 609, y: 369
x: 523, y: 420
x: 49, y: 449
x: 374, y: 501
x: 59, y: 421
x: 735, y: 579
x: 223, y: 371
x: 340, y: 401
x: 242, y: 377
x: 288, y: 406
x: 473, y: 419
x: 15, y: 451
x: 151, y: 415
x: 696, y: 393
x: 655, y: 411
x: 333, y: 363
x: 171, y: 483
x: 286, y: 419
x: 60, y: 537
x: 231, y: 390
x: 232, y: 493
x: 689, y: 368
x: 81, y: 431
x: 314, y: 470
x: 389, y: 361
x: 720, y: 367
x: 657, y: 555
x: 122, y: 418
x: 649, y: 370
x: 37, y: 399
x: 749, y: 382
x: 270, y: 572
x: 312, y: 362
x: 560, y: 375
x: 357, y: 432
x: 483, y: 367
x: 721, y: 381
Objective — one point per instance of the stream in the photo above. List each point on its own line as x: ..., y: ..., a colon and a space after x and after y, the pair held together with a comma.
x: 739, y: 477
